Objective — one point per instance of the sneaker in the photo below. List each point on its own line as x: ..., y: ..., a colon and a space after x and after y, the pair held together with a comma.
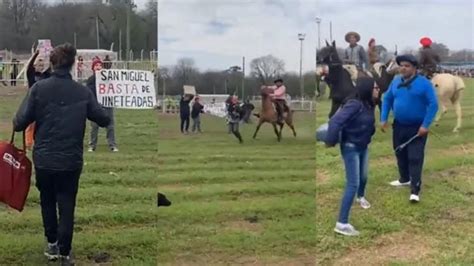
x: 414, y: 198
x: 364, y: 203
x: 91, y: 149
x: 346, y: 229
x: 66, y: 260
x: 114, y: 149
x: 397, y: 183
x: 52, y: 251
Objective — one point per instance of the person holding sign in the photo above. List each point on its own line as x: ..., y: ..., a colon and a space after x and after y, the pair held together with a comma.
x: 91, y: 84
x: 60, y: 107
x: 184, y: 112
x: 37, y: 69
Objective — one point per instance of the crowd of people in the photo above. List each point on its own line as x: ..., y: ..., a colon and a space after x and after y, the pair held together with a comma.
x: 412, y: 99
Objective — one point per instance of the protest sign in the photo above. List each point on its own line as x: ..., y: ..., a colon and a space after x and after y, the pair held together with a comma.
x: 127, y: 89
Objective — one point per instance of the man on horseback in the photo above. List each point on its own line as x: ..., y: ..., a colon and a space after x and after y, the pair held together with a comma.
x: 428, y: 58
x: 355, y: 53
x: 278, y: 97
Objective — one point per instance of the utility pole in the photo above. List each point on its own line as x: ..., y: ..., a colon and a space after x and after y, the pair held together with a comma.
x: 129, y: 7
x: 97, y: 30
x: 243, y: 77
x: 301, y: 37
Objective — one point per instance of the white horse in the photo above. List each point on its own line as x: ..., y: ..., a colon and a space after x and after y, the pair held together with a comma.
x: 449, y: 89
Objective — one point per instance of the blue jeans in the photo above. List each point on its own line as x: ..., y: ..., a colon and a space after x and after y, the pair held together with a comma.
x: 356, y: 166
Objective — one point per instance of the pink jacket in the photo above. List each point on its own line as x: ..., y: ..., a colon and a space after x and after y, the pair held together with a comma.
x: 279, y: 93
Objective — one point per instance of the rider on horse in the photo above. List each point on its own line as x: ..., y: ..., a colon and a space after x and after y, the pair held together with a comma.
x: 278, y: 97
x: 428, y: 58
x: 355, y: 53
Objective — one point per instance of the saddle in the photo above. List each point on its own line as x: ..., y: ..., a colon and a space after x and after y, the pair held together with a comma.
x: 355, y: 73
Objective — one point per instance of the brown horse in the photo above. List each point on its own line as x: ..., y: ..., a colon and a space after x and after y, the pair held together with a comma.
x: 268, y: 114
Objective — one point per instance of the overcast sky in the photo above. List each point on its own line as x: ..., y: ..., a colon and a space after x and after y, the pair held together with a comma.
x: 217, y: 33
x: 400, y: 22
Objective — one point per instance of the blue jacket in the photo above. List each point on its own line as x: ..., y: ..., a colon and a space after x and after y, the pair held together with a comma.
x: 413, y: 104
x: 356, y: 121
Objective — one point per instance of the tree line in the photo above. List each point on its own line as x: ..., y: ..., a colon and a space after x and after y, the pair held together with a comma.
x: 23, y: 22
x: 263, y: 70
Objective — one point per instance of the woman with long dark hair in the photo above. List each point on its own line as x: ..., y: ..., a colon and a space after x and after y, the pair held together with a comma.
x: 353, y: 125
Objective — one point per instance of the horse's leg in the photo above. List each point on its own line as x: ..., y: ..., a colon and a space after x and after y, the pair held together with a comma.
x: 457, y: 106
x: 281, y: 128
x: 276, y: 131
x: 260, y: 122
x: 289, y: 122
x: 441, y: 112
x: 292, y: 128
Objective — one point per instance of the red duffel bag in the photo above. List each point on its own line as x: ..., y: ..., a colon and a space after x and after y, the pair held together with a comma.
x: 15, y: 174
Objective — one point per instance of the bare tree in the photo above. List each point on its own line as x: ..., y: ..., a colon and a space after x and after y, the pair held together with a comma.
x: 267, y: 67
x: 184, y: 70
x: 441, y: 49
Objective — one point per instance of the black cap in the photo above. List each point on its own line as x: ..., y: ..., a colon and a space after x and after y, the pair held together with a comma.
x: 407, y: 58
x: 278, y: 80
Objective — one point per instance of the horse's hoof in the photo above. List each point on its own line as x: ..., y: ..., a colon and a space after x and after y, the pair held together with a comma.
x: 456, y: 130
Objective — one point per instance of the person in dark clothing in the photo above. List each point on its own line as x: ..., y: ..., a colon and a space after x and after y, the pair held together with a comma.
x: 60, y: 107
x: 247, y: 109
x: 184, y: 112
x: 36, y: 70
x: 196, y: 112
x: 429, y: 59
x: 234, y: 113
x: 110, y: 135
x: 14, y: 72
x: 414, y: 103
x: 107, y: 62
x: 356, y: 123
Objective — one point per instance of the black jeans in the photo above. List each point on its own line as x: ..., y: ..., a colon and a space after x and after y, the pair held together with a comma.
x: 184, y: 122
x: 58, y: 190
x: 410, y: 159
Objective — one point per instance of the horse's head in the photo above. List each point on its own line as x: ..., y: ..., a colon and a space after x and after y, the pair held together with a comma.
x: 385, y: 74
x: 328, y: 55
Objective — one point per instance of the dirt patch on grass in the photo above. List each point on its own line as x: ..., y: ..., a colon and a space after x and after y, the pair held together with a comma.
x: 322, y: 176
x: 459, y: 179
x: 456, y: 215
x: 243, y: 226
x: 385, y: 160
x: 401, y: 247
x: 457, y: 150
x: 220, y: 259
x: 11, y: 91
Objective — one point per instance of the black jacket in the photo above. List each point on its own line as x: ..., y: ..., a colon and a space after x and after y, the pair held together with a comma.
x: 197, y: 109
x: 60, y: 108
x: 184, y: 106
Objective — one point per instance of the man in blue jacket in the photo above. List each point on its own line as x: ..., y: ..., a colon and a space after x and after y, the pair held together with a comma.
x: 413, y: 101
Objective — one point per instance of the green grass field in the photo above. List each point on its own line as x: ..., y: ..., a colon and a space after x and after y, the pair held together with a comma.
x: 116, y: 207
x: 232, y: 203
x: 437, y: 231
x: 237, y: 204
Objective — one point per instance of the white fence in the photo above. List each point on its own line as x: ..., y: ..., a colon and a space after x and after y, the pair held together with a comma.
x: 14, y: 73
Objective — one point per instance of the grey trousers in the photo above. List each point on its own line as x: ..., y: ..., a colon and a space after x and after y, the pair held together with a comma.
x: 110, y: 131
x: 197, y: 124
